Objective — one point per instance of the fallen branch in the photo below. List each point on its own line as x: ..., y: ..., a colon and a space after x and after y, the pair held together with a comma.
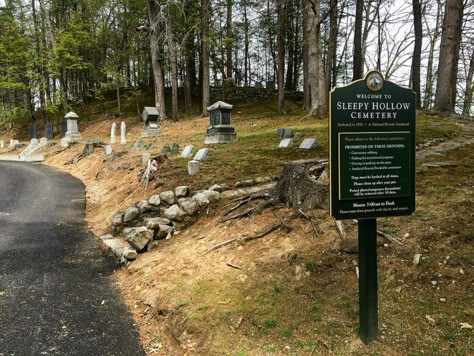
x: 389, y: 238
x: 230, y: 264
x: 254, y: 210
x: 309, y: 218
x: 246, y: 200
x: 341, y: 229
x: 222, y: 244
x: 86, y: 151
x: 265, y: 232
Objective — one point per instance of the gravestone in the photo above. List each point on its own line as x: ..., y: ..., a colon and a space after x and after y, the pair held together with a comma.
x: 33, y: 130
x: 175, y: 149
x: 258, y: 85
x: 145, y: 158
x: 280, y: 132
x: 193, y: 167
x: 12, y: 143
x: 220, y: 129
x: 34, y: 141
x: 108, y: 149
x: 166, y: 149
x: 112, y: 133
x: 151, y: 118
x: 188, y: 151
x: 64, y: 143
x: 308, y: 143
x: 270, y: 85
x: 201, y: 154
x: 49, y: 131
x: 72, y: 128
x: 123, y: 133
x: 2, y: 144
x: 285, y: 133
x: 286, y: 142
x: 43, y: 141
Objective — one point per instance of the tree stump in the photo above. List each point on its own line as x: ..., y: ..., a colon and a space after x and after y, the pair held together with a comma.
x: 304, y: 185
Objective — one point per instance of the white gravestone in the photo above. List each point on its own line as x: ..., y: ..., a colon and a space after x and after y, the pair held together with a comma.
x: 123, y: 133
x: 12, y: 144
x: 108, y: 149
x: 285, y: 143
x: 64, y: 143
x: 193, y: 167
x: 308, y: 143
x: 201, y: 154
x: 112, y: 133
x: 188, y: 151
x: 2, y: 144
x: 34, y: 141
x: 43, y: 141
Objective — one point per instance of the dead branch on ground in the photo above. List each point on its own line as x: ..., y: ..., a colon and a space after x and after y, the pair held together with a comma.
x: 86, y: 151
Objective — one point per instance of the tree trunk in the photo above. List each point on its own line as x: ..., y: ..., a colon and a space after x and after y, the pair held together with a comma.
x: 416, y: 62
x: 332, y: 45
x: 205, y: 56
x: 429, y: 69
x: 357, y: 56
x: 156, y: 58
x: 246, y: 45
x: 290, y: 45
x: 281, y: 56
x: 304, y: 185
x: 469, y: 88
x: 229, y: 39
x: 306, y: 84
x: 174, y: 71
x: 449, y: 57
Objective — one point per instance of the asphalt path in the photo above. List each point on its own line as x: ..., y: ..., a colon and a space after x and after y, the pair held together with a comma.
x: 58, y: 293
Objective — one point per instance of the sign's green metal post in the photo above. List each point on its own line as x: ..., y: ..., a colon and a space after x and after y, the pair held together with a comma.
x: 368, y: 299
x: 372, y: 170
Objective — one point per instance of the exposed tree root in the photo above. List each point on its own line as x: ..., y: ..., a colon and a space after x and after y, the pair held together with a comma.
x: 87, y: 150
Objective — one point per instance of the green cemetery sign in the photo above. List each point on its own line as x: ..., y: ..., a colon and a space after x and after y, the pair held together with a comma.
x: 372, y: 149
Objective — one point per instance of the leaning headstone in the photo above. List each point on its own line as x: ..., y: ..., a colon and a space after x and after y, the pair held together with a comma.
x: 193, y: 167
x: 48, y: 131
x: 145, y: 158
x: 308, y: 143
x: 123, y: 133
x: 287, y: 142
x: 166, y: 149
x: 112, y: 133
x: 201, y: 154
x: 108, y: 149
x: 174, y: 149
x: 188, y: 151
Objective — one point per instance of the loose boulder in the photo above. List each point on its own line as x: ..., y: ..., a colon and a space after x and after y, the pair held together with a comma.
x: 131, y: 214
x: 154, y: 223
x: 189, y: 205
x: 155, y: 200
x: 138, y: 237
x: 181, y: 191
x: 143, y: 206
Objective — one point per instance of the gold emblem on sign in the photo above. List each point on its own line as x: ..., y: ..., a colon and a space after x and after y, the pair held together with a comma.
x: 374, y: 81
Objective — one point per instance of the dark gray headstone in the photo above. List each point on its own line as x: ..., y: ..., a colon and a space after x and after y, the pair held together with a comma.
x: 33, y: 130
x: 280, y: 132
x: 49, y: 131
x: 288, y: 133
x: 63, y: 128
x: 166, y: 149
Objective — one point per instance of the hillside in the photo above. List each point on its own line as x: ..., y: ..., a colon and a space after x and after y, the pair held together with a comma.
x: 287, y: 292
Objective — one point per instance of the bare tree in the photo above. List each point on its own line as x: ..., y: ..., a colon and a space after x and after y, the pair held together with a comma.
x: 205, y: 56
x: 416, y: 62
x: 449, y: 57
x: 281, y: 13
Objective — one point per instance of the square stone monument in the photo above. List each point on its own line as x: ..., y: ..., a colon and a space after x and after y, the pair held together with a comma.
x: 49, y: 131
x: 151, y: 118
x: 220, y: 130
x: 72, y: 129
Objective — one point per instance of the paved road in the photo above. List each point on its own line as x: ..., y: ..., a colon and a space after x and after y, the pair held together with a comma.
x: 57, y: 289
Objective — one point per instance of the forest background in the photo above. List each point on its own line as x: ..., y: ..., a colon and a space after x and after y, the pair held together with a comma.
x: 57, y: 55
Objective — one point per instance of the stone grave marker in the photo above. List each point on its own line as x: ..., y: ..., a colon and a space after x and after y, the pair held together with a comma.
x: 112, y: 133
x: 49, y: 131
x: 151, y: 118
x: 308, y: 143
x: 201, y: 154
x: 145, y: 158
x: 286, y: 142
x: 193, y: 167
x: 166, y: 149
x: 123, y: 133
x: 220, y: 129
x: 175, y: 149
x: 43, y: 141
x: 72, y: 130
x: 108, y: 149
x: 188, y: 151
x: 64, y: 143
x: 33, y: 130
x: 2, y: 144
